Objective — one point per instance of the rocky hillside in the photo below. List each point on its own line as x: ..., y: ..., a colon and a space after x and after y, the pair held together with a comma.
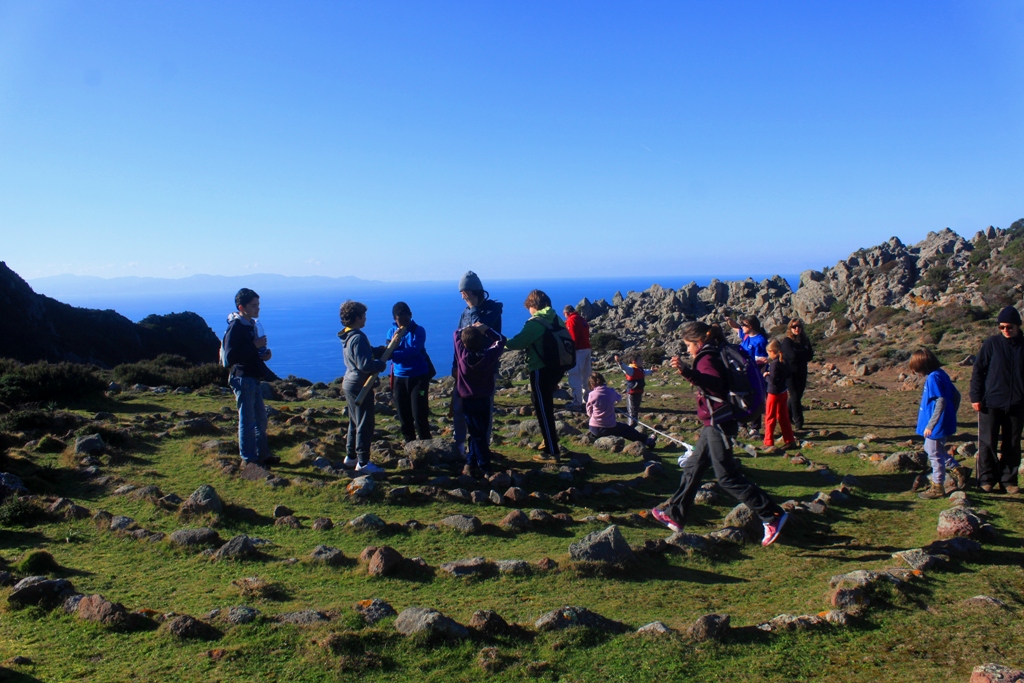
x: 943, y: 291
x: 37, y: 327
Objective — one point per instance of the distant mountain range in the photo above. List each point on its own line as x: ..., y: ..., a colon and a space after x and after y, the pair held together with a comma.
x: 88, y: 285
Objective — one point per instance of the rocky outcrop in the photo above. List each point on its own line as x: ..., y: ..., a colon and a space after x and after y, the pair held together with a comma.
x: 42, y: 329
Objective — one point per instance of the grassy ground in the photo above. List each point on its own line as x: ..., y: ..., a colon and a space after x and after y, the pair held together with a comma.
x: 922, y: 632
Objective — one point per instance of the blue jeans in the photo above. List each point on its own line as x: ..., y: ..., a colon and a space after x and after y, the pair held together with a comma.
x: 252, y: 419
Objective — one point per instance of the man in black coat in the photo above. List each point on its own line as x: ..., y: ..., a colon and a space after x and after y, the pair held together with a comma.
x: 997, y: 395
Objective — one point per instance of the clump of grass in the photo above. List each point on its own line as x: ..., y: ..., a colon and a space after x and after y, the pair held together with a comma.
x: 37, y: 562
x: 16, y: 512
x: 258, y: 588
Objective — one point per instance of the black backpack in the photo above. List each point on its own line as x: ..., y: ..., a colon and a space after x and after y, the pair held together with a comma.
x: 558, y: 351
x: 743, y: 383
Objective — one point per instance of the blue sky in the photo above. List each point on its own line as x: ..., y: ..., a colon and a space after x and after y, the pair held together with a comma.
x: 415, y: 140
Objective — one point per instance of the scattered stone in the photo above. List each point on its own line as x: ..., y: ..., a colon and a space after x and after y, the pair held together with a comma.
x: 476, y: 566
x: 121, y: 523
x: 322, y: 524
x: 916, y: 558
x: 655, y: 628
x: 195, y: 537
x: 841, y: 449
x: 190, y: 628
x: 709, y: 627
x: 546, y: 564
x: 289, y: 522
x: 577, y: 616
x: 466, y: 524
x: 39, y: 590
x: 615, y: 444
x: 282, y: 511
x: 327, y: 555
x: 306, y: 617
x: 729, y: 536
x: 958, y: 522
x: 374, y: 610
x: 603, y: 546
x: 540, y: 517
x: 491, y: 660
x: 361, y: 487
x: 238, y: 548
x: 204, y: 500
x: 984, y: 601
x: 488, y: 622
x: 242, y: 615
x: 384, y: 561
x: 197, y: 426
x: 959, y: 547
x: 515, y: 521
x: 788, y: 622
x: 743, y: 518
x: 67, y: 509
x: 432, y: 623
x: 86, y: 445
x: 687, y: 543
x: 996, y: 673
x: 100, y: 610
x: 513, y: 567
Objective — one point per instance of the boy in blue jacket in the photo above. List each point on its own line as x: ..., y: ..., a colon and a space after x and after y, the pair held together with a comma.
x: 936, y: 421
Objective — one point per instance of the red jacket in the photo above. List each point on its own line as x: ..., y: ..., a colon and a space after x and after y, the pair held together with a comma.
x: 579, y: 330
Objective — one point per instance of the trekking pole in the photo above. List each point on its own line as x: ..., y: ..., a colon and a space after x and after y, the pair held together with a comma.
x: 388, y: 350
x: 647, y: 426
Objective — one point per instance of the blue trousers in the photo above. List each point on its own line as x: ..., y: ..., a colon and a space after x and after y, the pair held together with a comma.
x: 252, y: 419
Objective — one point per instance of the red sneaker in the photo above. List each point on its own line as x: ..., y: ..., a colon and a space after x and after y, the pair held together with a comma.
x: 663, y: 517
x: 772, y: 529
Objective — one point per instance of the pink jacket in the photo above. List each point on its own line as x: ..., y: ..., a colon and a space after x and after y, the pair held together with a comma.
x: 601, y: 406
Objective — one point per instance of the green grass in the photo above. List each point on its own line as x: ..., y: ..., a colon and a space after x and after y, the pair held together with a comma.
x: 921, y: 632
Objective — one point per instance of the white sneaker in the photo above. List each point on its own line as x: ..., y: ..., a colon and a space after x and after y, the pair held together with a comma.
x: 350, y: 463
x: 370, y: 468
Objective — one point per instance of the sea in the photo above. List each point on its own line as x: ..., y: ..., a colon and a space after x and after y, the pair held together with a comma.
x: 302, y: 324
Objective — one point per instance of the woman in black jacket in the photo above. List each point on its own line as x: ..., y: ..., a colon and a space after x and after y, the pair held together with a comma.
x: 797, y: 352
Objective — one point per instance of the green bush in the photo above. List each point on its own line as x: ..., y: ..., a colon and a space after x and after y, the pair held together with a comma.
x: 839, y: 308
x: 16, y: 512
x: 49, y: 382
x: 652, y: 357
x: 605, y: 341
x: 170, y: 370
x: 937, y: 277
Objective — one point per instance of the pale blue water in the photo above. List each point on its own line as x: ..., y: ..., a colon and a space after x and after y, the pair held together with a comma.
x: 302, y: 326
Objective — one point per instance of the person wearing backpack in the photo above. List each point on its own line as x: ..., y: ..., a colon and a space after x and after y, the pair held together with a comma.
x: 635, y: 385
x: 545, y: 364
x: 714, y: 447
x: 245, y: 352
x: 410, y: 366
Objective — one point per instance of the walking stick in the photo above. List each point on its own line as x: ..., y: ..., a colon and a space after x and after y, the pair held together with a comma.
x: 647, y: 426
x: 388, y: 350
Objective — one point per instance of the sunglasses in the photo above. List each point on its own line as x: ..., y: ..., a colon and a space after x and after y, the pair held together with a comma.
x: 1007, y: 326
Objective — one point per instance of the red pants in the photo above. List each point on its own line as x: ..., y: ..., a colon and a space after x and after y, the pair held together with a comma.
x: 776, y: 411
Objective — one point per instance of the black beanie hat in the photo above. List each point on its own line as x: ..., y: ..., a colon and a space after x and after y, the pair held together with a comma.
x: 1009, y: 315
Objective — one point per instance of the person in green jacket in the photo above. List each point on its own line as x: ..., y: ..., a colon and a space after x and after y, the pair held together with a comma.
x: 543, y: 379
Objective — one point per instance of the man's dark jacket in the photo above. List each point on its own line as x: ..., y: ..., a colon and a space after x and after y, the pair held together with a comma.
x: 997, y: 380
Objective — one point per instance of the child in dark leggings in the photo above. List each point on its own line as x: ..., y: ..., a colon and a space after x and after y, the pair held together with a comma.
x: 714, y: 448
x: 601, y: 408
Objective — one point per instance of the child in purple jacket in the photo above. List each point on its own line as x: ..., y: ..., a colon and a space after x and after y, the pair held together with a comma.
x: 477, y: 353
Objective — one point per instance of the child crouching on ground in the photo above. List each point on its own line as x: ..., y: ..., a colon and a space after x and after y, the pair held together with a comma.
x: 601, y: 408
x: 477, y: 353
x: 936, y: 421
x: 776, y: 409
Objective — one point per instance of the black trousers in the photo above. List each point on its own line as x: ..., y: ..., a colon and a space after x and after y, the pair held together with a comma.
x: 714, y: 449
x: 796, y: 385
x: 620, y: 429
x: 478, y: 420
x: 542, y: 386
x: 410, y: 398
x: 1002, y: 428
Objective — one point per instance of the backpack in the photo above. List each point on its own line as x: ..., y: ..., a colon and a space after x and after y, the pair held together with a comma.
x: 224, y: 349
x: 743, y: 382
x: 557, y: 349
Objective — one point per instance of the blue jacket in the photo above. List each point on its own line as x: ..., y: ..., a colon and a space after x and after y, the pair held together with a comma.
x: 937, y: 385
x: 754, y: 344
x: 409, y: 357
x: 488, y: 313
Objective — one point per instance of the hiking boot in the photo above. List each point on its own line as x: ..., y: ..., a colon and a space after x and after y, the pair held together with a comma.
x: 1011, y: 489
x: 271, y: 461
x: 932, y: 492
x: 958, y: 478
x: 791, y: 446
x: 663, y: 517
x: 772, y: 529
x: 545, y: 458
x: 770, y: 450
x: 987, y: 488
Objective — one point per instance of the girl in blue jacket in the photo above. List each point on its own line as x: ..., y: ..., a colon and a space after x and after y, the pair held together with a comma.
x: 936, y: 421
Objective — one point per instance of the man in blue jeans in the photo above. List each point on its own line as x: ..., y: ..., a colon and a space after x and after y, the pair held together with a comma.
x: 245, y: 354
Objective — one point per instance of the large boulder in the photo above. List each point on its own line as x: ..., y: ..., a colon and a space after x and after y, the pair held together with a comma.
x: 603, y: 546
x: 743, y: 518
x: 190, y: 628
x: 958, y: 522
x: 41, y: 591
x: 195, y: 537
x: 710, y: 627
x: 238, y: 548
x: 102, y: 611
x: 466, y: 524
x: 434, y: 451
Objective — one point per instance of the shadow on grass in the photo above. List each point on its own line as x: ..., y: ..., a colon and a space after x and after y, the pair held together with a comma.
x: 648, y: 569
x: 17, y: 677
x: 20, y: 539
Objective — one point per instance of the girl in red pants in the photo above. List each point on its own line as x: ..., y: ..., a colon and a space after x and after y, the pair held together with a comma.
x: 776, y: 409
